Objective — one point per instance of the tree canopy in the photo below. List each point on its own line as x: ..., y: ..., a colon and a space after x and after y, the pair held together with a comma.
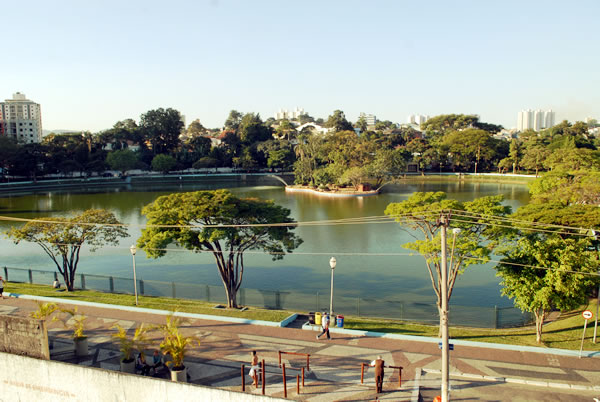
x: 162, y: 128
x: 421, y: 215
x: 219, y: 222
x: 62, y: 239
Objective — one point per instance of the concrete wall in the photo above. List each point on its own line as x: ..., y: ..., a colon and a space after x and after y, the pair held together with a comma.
x: 24, y: 336
x: 27, y: 379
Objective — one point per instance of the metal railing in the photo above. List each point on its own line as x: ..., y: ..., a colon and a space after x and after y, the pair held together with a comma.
x: 471, y: 316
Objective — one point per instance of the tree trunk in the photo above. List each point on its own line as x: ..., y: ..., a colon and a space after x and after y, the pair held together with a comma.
x: 540, y: 316
x: 231, y: 295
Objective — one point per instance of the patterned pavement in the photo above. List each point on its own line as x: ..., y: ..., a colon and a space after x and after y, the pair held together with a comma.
x: 335, y: 365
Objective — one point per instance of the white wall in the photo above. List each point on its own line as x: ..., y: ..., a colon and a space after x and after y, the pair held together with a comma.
x: 28, y: 379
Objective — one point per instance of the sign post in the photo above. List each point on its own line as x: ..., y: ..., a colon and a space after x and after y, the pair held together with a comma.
x: 587, y: 314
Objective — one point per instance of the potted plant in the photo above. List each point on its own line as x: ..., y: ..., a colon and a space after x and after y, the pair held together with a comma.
x: 128, y: 344
x: 74, y: 321
x: 44, y: 311
x: 176, y: 344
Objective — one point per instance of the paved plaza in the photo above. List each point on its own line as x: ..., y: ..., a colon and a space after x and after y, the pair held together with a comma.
x: 479, y: 373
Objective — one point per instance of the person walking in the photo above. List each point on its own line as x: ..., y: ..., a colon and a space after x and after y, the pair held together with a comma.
x: 254, y: 368
x: 324, y: 325
x: 379, y: 365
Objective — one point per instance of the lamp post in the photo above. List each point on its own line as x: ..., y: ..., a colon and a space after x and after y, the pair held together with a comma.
x: 133, y: 250
x: 332, y: 263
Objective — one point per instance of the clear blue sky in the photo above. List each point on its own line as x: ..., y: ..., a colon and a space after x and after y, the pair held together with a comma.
x: 92, y: 63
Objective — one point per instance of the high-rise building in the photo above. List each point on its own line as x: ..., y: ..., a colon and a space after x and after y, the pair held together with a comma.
x: 535, y: 120
x: 549, y: 117
x: 417, y: 119
x: 285, y: 114
x: 369, y: 118
x: 21, y: 119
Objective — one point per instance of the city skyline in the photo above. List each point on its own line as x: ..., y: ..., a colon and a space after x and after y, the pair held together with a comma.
x: 100, y: 63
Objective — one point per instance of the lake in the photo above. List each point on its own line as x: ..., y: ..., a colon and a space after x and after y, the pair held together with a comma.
x: 365, y: 268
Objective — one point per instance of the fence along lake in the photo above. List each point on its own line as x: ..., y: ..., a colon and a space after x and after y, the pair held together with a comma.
x: 367, y: 278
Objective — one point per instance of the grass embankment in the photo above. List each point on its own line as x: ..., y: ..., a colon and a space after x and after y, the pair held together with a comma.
x: 563, y: 333
x: 158, y: 303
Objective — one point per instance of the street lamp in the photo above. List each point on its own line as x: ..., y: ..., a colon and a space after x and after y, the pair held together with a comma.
x: 332, y: 263
x: 133, y: 250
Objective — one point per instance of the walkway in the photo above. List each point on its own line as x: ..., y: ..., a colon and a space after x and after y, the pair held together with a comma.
x: 493, y: 374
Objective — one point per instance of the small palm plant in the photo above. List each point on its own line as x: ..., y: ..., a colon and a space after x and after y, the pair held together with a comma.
x: 127, y: 344
x: 73, y: 321
x: 175, y: 343
x: 44, y: 311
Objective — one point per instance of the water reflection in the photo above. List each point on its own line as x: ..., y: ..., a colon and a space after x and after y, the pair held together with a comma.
x: 398, y: 277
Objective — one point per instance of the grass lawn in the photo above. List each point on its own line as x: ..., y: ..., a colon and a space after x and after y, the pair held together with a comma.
x: 159, y: 303
x: 563, y: 333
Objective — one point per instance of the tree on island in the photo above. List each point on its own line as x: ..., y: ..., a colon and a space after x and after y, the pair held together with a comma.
x: 62, y: 238
x: 219, y: 222
x: 422, y: 212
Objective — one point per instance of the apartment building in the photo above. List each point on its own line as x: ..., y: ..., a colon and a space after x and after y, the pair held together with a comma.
x: 21, y: 119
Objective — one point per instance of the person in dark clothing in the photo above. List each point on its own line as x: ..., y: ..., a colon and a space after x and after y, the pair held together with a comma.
x: 379, y: 365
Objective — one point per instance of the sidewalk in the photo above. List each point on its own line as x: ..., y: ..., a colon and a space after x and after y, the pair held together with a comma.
x: 477, y: 372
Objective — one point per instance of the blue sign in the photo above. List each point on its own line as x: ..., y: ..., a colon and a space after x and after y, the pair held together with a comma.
x: 450, y: 346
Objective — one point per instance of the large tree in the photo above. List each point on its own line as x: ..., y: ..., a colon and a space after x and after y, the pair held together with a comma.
x: 162, y: 128
x: 62, y: 238
x: 337, y: 121
x: 219, y: 222
x: 542, y: 273
x: 421, y: 215
x: 122, y: 160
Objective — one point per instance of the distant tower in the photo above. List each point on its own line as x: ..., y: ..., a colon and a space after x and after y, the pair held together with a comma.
x: 538, y: 120
x: 549, y: 117
x: 525, y: 120
x: 21, y: 119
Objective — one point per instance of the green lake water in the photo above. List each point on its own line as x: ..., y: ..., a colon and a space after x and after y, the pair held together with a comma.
x: 363, y: 270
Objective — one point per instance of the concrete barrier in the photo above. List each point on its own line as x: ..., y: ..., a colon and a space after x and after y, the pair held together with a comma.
x: 28, y: 379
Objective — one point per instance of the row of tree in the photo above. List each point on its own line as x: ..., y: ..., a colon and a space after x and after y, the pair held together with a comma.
x: 348, y: 154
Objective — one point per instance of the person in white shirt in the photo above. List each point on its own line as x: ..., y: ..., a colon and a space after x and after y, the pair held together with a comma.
x: 325, y: 325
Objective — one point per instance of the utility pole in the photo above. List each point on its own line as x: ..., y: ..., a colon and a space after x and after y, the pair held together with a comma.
x: 444, y: 312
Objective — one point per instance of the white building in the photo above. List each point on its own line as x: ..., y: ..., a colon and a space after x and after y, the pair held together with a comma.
x: 286, y: 114
x: 417, y: 119
x: 535, y: 120
x: 315, y: 128
x: 21, y: 119
x: 369, y: 118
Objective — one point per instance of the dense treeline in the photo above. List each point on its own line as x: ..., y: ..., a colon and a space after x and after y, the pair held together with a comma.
x: 347, y: 154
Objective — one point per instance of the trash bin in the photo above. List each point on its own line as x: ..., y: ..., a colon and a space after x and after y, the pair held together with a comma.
x: 311, y: 317
x: 318, y: 318
x: 340, y: 321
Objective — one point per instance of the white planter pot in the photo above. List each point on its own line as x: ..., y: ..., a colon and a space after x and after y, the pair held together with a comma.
x: 128, y: 367
x: 81, y: 346
x: 179, y: 375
